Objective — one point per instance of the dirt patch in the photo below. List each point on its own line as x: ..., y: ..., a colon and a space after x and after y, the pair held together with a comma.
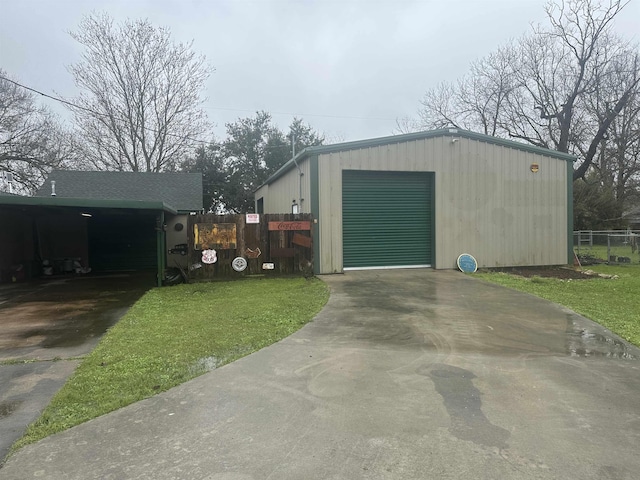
x: 562, y: 273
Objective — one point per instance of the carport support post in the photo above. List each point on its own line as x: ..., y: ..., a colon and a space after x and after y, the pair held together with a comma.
x: 160, y: 244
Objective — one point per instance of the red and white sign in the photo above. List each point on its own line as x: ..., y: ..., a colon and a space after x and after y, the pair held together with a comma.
x: 288, y: 226
x: 209, y: 257
x: 252, y: 218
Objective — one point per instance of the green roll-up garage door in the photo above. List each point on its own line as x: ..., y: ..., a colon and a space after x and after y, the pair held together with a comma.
x: 387, y: 218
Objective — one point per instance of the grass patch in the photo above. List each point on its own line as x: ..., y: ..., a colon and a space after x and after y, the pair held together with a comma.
x: 172, y: 335
x: 611, y: 303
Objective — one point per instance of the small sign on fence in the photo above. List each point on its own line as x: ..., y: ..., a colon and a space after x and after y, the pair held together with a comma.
x: 252, y: 218
x: 280, y: 226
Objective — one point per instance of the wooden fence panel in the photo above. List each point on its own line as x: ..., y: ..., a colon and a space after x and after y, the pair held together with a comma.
x: 283, y: 240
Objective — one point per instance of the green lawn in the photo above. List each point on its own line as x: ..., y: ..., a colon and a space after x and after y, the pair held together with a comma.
x: 174, y: 334
x: 611, y: 303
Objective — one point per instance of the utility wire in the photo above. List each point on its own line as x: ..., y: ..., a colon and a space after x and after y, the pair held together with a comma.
x: 62, y: 100
x: 205, y: 142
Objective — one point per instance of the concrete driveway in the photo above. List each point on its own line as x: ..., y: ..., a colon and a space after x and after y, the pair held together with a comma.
x: 44, y: 327
x: 408, y: 374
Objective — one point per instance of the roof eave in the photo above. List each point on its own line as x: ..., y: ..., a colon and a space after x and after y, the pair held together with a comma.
x: 87, y: 203
x: 407, y: 137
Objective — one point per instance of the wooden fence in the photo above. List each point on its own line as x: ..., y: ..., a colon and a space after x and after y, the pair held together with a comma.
x: 236, y: 245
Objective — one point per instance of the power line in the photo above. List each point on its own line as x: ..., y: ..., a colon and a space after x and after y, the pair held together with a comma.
x: 184, y: 137
x: 71, y: 104
x: 61, y: 100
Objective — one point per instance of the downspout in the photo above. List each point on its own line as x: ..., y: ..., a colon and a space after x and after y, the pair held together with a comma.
x: 300, y: 174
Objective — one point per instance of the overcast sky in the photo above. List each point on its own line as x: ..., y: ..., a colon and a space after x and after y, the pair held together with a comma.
x: 349, y: 68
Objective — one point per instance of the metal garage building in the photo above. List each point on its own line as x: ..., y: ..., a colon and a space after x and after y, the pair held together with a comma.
x: 422, y: 199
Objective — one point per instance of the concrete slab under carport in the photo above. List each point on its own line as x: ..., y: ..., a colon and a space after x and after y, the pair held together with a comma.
x: 45, y: 326
x: 408, y: 374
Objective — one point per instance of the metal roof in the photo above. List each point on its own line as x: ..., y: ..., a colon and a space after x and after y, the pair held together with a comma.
x: 449, y: 132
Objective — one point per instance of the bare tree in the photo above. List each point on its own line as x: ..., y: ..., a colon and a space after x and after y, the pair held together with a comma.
x: 561, y: 69
x: 32, y: 142
x: 618, y: 158
x: 538, y: 90
x: 140, y: 104
x: 476, y: 101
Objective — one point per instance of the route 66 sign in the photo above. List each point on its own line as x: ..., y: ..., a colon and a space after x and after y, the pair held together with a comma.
x: 209, y: 256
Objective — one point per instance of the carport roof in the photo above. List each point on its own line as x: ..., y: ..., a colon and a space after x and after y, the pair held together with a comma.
x: 182, y: 191
x: 87, y: 203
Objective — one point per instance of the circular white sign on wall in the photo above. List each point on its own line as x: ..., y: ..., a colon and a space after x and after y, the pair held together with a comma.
x: 239, y: 264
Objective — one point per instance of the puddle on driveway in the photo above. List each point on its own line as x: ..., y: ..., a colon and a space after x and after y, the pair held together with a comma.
x: 584, y: 340
x: 463, y: 403
x: 65, y: 313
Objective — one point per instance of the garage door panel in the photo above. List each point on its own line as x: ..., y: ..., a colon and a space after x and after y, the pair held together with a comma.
x: 387, y: 218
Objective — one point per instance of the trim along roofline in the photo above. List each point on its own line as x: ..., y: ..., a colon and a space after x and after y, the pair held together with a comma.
x: 448, y: 132
x: 86, y: 203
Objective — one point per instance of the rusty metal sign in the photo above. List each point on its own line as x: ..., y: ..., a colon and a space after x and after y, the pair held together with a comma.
x: 301, y: 240
x: 280, y: 226
x: 214, y: 235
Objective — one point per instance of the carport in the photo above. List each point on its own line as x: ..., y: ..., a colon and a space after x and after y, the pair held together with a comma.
x: 106, y: 235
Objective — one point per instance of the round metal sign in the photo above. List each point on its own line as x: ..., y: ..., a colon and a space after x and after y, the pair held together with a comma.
x: 239, y: 264
x: 467, y: 264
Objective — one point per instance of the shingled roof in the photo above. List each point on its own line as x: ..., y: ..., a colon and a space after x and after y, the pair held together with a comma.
x: 182, y: 191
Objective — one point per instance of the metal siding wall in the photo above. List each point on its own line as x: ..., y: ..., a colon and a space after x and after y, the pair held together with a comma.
x: 330, y: 218
x: 279, y: 194
x: 262, y: 192
x: 488, y: 202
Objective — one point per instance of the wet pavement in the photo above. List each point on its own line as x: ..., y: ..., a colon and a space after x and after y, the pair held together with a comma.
x: 408, y: 374
x: 46, y: 326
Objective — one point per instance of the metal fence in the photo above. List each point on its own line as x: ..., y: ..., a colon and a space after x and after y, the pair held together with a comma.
x: 607, y: 246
